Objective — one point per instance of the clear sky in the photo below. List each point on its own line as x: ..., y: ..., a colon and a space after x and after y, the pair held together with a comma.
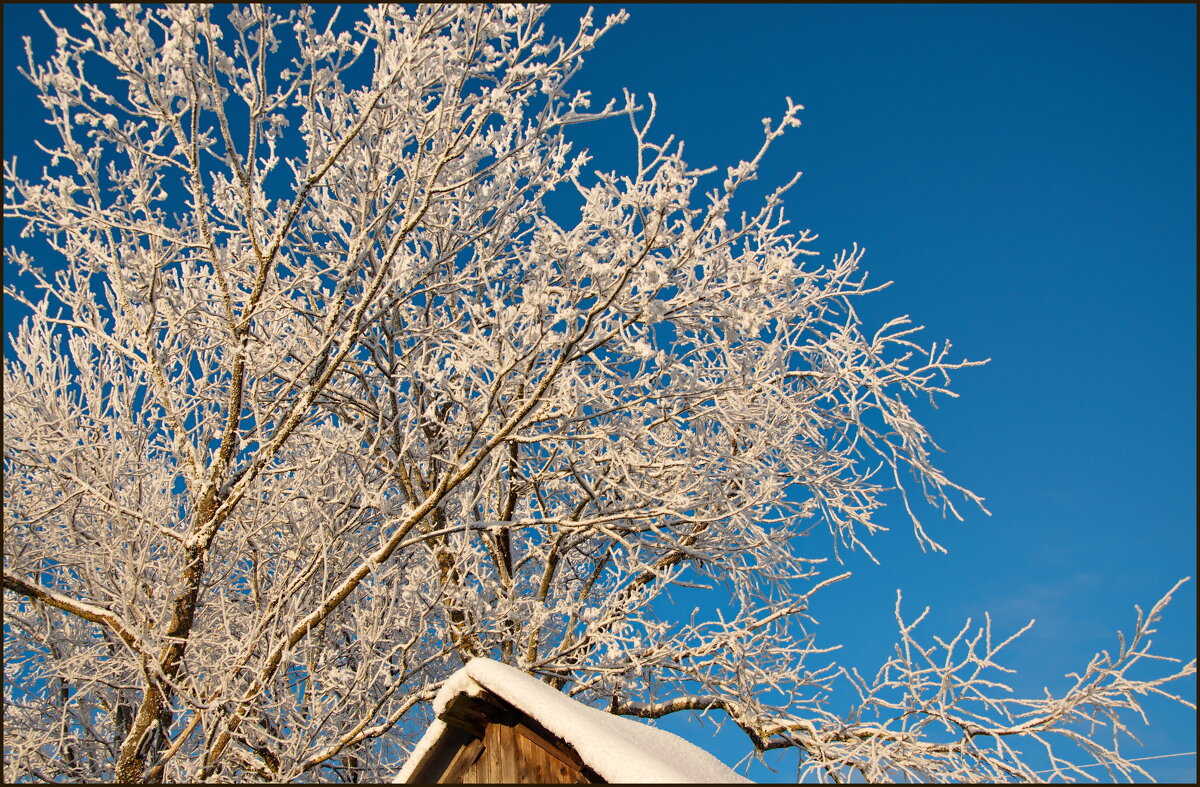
x: 1026, y: 175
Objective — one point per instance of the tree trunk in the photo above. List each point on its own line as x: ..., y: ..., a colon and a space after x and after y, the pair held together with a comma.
x: 149, y: 733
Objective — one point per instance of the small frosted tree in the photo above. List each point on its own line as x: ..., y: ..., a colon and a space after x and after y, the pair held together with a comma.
x: 325, y: 393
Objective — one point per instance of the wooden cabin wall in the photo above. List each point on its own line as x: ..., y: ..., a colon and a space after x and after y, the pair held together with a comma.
x: 513, y: 754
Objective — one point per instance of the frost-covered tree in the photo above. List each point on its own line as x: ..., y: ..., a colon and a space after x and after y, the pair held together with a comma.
x: 342, y: 368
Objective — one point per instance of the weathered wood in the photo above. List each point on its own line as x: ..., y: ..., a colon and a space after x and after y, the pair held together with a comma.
x: 462, y: 762
x: 492, y: 764
x: 438, y: 760
x: 551, y: 745
x: 540, y: 764
x: 473, y: 714
x: 508, y: 755
x: 488, y: 741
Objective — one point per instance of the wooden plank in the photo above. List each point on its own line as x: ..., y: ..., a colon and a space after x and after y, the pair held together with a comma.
x: 469, y: 715
x: 477, y: 773
x: 490, y: 771
x: 509, y: 773
x: 437, y: 759
x: 555, y: 747
x: 533, y: 762
x: 545, y: 762
x: 462, y: 762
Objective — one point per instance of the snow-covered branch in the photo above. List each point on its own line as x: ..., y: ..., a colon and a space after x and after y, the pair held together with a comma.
x: 341, y: 367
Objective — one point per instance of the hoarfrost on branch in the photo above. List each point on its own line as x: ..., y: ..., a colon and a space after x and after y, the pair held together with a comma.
x: 342, y: 368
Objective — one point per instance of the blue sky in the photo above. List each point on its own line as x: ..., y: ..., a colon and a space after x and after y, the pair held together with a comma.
x: 1026, y: 177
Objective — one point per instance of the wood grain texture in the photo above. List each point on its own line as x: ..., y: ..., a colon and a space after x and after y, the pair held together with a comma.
x: 487, y: 741
x: 464, y: 759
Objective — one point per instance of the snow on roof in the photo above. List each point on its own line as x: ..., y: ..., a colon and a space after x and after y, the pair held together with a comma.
x: 618, y: 749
